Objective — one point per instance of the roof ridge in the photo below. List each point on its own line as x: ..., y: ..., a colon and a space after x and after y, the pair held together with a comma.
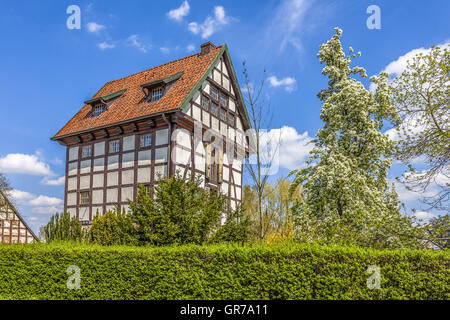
x: 160, y: 65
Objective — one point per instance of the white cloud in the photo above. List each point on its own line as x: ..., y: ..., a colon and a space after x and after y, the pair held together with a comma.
x: 289, y: 83
x: 39, y: 204
x: 179, y: 13
x: 54, y: 182
x: 45, y: 201
x: 95, y: 27
x: 211, y: 24
x: 24, y: 164
x: 287, y: 25
x: 292, y: 148
x: 424, y: 215
x: 105, y: 45
x: 135, y: 41
x: 396, y: 67
x: 164, y: 50
x: 190, y: 48
x: 20, y: 197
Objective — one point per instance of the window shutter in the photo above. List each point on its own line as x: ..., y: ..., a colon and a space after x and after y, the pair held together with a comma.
x: 220, y: 179
x: 208, y: 160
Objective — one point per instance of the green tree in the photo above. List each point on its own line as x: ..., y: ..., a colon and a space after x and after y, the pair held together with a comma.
x: 421, y: 94
x: 236, y: 228
x: 277, y: 203
x: 181, y: 212
x: 112, y: 228
x: 63, y: 228
x: 347, y: 197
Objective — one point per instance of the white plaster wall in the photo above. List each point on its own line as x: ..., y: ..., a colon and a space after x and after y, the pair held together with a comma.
x: 144, y: 157
x: 231, y: 105
x: 226, y: 83
x: 160, y: 170
x: 97, y: 196
x: 226, y: 174
x: 217, y: 77
x: 113, y: 162
x: 111, y: 195
x: 128, y: 177
x: 85, y: 182
x: 126, y: 194
x: 97, y: 180
x: 238, y: 192
x: 72, y: 199
x: 160, y: 155
x: 128, y: 142
x: 72, y: 184
x: 183, y: 137
x: 128, y: 160
x: 73, y: 168
x: 99, y: 164
x: 182, y: 156
x: 239, y: 123
x: 85, y: 166
x: 200, y: 148
x: 196, y: 97
x: 224, y: 188
x: 199, y: 163
x: 215, y: 124
x: 112, y: 179
x: 223, y: 128
x: 73, y: 153
x: 99, y: 149
x: 237, y: 164
x: 237, y: 177
x: 72, y: 212
x: 196, y: 113
x: 143, y: 175
x: 233, y: 205
x: 206, y: 118
x: 162, y: 137
x: 83, y: 213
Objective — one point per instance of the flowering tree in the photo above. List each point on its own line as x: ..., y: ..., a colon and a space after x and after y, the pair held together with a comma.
x: 421, y: 94
x: 347, y: 197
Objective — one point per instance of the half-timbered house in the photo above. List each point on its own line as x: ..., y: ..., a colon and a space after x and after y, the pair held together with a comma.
x: 141, y: 127
x: 13, y: 228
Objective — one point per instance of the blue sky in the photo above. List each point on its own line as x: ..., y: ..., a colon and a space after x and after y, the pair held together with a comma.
x: 47, y: 70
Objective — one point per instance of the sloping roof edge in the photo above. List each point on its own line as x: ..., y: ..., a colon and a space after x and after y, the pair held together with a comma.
x: 18, y: 214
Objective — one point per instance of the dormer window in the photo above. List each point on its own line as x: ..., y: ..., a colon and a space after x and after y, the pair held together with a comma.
x: 98, y: 110
x: 157, y: 94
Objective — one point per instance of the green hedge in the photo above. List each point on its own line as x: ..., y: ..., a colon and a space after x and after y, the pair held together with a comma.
x: 39, y: 271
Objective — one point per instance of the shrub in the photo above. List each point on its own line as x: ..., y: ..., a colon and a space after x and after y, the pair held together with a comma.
x: 112, y: 228
x: 180, y: 212
x: 39, y: 271
x: 63, y: 228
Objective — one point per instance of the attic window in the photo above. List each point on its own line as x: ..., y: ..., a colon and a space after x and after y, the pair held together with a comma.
x: 157, y: 94
x: 98, y: 110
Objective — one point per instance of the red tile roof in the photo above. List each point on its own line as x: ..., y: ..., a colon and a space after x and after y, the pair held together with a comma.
x: 130, y: 104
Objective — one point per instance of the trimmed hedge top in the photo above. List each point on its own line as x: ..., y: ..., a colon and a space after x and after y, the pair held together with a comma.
x: 39, y: 271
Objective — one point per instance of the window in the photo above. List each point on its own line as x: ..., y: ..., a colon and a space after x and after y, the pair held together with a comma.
x: 114, y: 146
x: 223, y: 114
x: 205, y: 103
x: 98, y: 110
x: 86, y: 151
x: 214, y: 93
x: 157, y: 94
x: 84, y: 197
x: 146, y: 140
x: 231, y: 119
x: 223, y: 100
x: 214, y: 108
